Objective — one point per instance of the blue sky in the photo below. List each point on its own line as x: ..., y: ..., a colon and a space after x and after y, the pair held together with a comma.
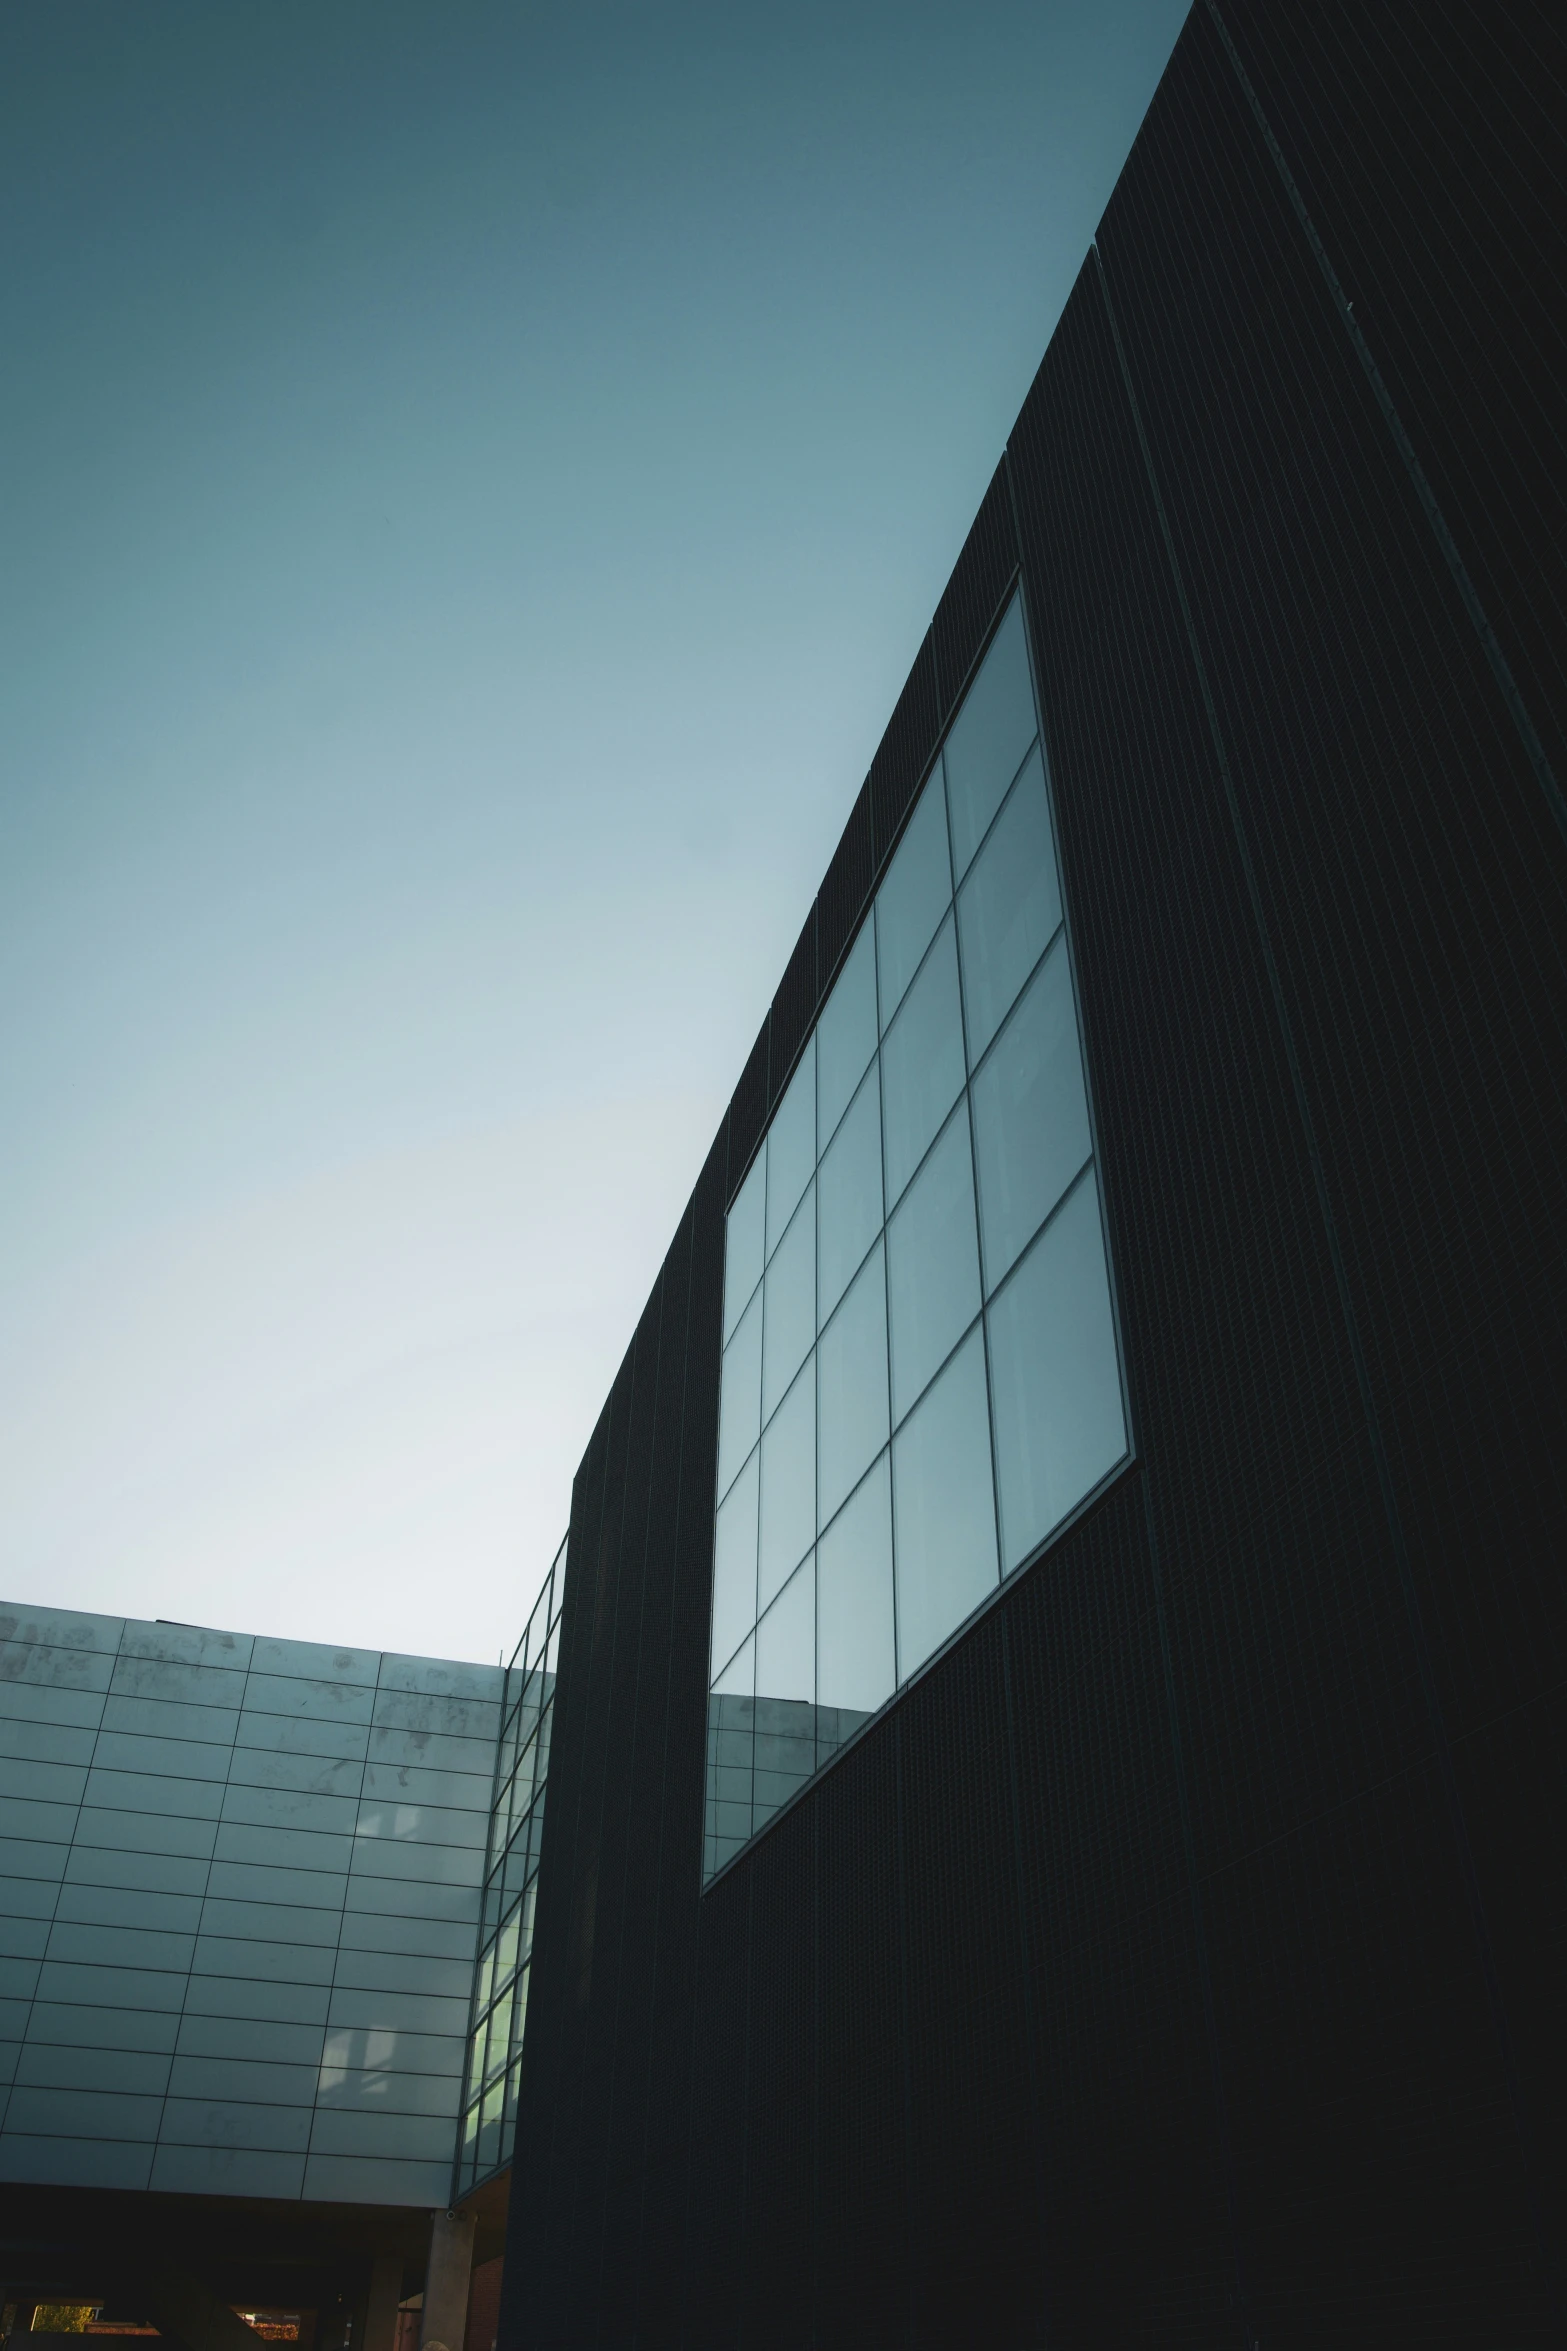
x: 474, y: 480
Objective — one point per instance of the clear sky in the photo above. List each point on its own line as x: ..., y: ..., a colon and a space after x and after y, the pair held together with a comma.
x: 472, y: 482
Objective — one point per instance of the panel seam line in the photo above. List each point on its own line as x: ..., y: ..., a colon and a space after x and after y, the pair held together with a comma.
x: 1469, y: 595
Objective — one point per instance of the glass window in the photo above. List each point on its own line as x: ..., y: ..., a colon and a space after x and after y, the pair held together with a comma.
x: 855, y: 1665
x: 1059, y: 1422
x: 989, y: 737
x: 849, y: 1196
x: 734, y: 1565
x: 742, y: 1255
x: 791, y: 1147
x: 852, y: 1386
x: 786, y: 1640
x: 740, y: 1415
x: 897, y: 1191
x: 944, y: 1508
x: 1030, y: 1116
x: 1009, y: 908
x: 932, y: 1264
x: 846, y: 1033
x: 788, y: 1485
x: 913, y: 898
x: 789, y: 1305
x: 922, y: 1062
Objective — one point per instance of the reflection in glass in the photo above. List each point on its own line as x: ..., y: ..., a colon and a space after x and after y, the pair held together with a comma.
x: 1030, y: 1116
x: 734, y: 1564
x: 738, y: 1679
x: 944, y: 1508
x: 731, y: 1722
x: 913, y: 898
x: 846, y: 1034
x: 849, y: 1196
x: 989, y: 737
x: 786, y: 1640
x: 852, y: 1386
x: 1059, y: 1422
x: 743, y: 1243
x: 855, y: 1666
x: 932, y: 1264
x: 922, y: 1062
x: 1009, y: 908
x: 740, y: 1412
x: 789, y: 1304
x: 788, y: 1485
x: 791, y: 1147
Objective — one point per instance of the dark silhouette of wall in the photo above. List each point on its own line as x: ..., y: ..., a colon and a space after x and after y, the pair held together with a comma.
x: 1177, y: 1962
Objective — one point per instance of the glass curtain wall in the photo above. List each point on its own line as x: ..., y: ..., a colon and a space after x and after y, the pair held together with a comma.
x: 921, y: 1378
x: 500, y: 1989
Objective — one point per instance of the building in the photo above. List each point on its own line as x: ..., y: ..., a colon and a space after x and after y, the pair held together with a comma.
x: 1057, y: 1725
x: 243, y: 1887
x: 1147, y: 1924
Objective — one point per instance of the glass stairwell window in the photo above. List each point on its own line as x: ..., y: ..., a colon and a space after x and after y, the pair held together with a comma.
x: 921, y: 1373
x: 499, y: 2009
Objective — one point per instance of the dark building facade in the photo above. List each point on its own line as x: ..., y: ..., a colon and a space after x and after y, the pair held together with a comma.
x: 1172, y: 1961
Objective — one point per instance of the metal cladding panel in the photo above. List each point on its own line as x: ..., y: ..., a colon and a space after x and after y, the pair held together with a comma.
x: 865, y: 2248
x: 644, y: 1695
x: 904, y: 751
x: 974, y: 2117
x: 793, y: 1009
x: 719, y: 2284
x: 780, y: 2168
x: 1175, y: 1962
x: 604, y: 1851
x: 662, y: 2246
x: 973, y: 595
x: 748, y: 1109
x: 1411, y: 882
x: 1429, y: 150
x: 1136, y: 2226
x: 845, y: 891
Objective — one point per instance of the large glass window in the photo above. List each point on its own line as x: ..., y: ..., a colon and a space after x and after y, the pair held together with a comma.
x: 920, y: 1380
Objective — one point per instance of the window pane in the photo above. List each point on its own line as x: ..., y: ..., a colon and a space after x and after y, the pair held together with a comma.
x: 791, y: 1147
x: 852, y: 1376
x: 739, y: 1675
x: 1009, y: 907
x: 786, y: 1640
x: 932, y: 1264
x: 846, y: 1033
x: 849, y: 1196
x: 989, y: 737
x: 788, y: 1485
x: 1059, y: 1424
x: 946, y: 1519
x: 1030, y: 1117
x: 734, y: 1565
x: 742, y: 1246
x: 854, y: 1654
x: 789, y: 1304
x: 740, y: 1414
x: 913, y: 898
x: 922, y: 1062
